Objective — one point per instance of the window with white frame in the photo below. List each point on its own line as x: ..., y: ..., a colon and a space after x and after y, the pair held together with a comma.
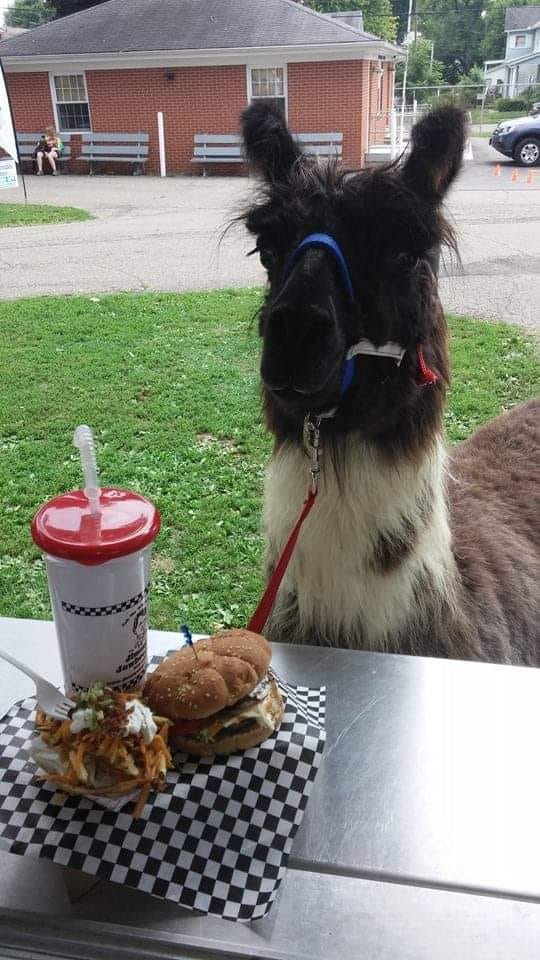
x: 71, y: 101
x: 520, y: 40
x: 269, y: 84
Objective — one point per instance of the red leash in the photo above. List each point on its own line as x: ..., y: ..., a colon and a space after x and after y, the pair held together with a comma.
x: 262, y: 612
x: 425, y: 376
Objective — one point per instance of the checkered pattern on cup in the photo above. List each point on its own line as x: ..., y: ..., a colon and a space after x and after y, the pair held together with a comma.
x: 79, y: 611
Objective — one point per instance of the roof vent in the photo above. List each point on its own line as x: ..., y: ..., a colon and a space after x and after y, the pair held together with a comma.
x: 353, y: 18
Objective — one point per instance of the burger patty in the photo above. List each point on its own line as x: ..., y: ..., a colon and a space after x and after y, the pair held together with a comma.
x: 236, y: 728
x: 242, y: 716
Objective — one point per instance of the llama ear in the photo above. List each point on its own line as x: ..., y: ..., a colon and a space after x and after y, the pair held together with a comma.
x: 437, y: 144
x: 268, y: 143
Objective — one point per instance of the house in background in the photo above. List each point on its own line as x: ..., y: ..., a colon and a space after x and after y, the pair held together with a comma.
x: 111, y: 68
x: 521, y: 65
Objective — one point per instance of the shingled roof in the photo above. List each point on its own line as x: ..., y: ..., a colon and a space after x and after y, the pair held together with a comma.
x: 130, y: 26
x: 521, y: 18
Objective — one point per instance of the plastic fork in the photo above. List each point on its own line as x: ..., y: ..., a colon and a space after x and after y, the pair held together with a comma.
x: 51, y: 700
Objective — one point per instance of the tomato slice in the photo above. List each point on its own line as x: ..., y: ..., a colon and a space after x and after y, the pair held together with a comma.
x: 182, y: 728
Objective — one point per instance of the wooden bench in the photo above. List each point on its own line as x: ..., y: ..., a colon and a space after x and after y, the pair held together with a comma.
x: 320, y: 144
x: 217, y: 148
x: 115, y: 147
x: 227, y: 147
x: 27, y: 143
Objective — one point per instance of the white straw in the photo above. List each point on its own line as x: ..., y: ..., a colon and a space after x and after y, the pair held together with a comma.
x: 83, y: 439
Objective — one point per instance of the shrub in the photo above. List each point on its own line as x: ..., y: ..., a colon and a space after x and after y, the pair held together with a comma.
x: 511, y: 104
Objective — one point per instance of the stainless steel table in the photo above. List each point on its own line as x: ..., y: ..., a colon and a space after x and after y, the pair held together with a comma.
x: 421, y: 840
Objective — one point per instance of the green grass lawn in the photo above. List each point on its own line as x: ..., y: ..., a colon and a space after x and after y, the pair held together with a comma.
x: 30, y: 214
x: 493, y: 116
x: 170, y: 385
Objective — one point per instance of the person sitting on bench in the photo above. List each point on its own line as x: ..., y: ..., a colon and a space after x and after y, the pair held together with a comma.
x: 49, y: 146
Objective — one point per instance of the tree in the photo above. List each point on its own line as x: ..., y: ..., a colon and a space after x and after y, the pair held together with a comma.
x: 457, y: 29
x: 64, y: 7
x: 494, y: 42
x: 470, y: 85
x: 421, y: 72
x: 28, y: 13
x: 378, y: 16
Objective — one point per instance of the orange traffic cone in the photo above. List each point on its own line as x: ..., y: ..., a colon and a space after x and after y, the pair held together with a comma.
x: 530, y: 176
x: 497, y: 170
x: 515, y: 176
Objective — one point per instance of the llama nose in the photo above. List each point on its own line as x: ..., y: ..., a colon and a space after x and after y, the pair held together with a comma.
x: 299, y: 347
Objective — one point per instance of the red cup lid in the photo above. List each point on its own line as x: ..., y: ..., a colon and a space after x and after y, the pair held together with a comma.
x: 64, y: 527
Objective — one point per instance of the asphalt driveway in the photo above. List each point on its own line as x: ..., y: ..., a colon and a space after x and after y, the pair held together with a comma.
x: 153, y: 234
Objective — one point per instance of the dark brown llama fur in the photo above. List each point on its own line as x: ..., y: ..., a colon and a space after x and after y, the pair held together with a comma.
x: 404, y: 550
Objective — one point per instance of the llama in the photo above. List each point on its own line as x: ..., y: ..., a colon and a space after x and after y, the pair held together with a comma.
x: 408, y: 549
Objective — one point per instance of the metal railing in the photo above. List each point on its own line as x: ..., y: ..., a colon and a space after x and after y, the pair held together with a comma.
x: 390, y: 130
x: 480, y: 99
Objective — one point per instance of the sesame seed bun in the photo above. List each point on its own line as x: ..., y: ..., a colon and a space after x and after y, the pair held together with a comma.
x: 193, y: 685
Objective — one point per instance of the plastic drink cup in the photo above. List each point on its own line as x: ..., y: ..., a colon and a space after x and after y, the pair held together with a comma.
x: 98, y: 567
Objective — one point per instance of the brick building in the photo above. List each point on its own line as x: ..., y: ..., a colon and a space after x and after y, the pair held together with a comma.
x: 111, y: 68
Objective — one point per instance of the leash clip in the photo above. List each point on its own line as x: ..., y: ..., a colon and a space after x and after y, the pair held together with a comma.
x: 312, y: 437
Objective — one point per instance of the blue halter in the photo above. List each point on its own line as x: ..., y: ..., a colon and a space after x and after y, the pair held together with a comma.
x: 327, y: 242
x: 424, y: 376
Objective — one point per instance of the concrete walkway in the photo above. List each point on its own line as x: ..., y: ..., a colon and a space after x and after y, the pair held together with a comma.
x: 152, y: 234
x: 149, y: 234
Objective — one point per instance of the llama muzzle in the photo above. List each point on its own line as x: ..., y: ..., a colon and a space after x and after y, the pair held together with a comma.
x: 303, y: 348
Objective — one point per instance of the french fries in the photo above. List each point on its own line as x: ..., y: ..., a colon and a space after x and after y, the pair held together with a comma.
x: 130, y: 763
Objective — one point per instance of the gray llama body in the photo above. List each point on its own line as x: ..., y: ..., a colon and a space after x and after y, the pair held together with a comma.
x: 436, y: 559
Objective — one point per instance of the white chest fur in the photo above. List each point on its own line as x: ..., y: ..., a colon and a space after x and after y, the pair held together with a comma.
x: 337, y: 587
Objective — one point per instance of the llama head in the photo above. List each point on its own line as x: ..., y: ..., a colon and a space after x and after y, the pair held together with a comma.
x: 389, y: 225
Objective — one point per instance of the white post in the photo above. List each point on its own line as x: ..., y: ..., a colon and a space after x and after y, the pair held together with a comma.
x: 161, y: 141
x: 468, y: 151
x: 393, y: 135
x: 403, y: 95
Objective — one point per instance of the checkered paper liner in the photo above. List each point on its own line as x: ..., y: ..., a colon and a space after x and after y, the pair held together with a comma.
x: 216, y: 840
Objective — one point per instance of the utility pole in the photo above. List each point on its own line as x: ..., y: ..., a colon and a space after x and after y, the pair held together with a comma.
x: 409, y: 15
x: 404, y: 90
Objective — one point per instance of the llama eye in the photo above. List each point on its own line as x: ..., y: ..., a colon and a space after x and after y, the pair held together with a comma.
x: 266, y: 257
x: 407, y: 262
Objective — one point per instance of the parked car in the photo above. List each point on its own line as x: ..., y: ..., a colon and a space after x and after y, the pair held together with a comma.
x: 535, y: 109
x: 519, y: 139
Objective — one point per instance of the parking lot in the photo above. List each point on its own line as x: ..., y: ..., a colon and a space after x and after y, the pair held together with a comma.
x: 153, y: 234
x: 498, y: 224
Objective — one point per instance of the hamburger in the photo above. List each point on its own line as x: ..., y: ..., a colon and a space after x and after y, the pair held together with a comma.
x: 218, y: 695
